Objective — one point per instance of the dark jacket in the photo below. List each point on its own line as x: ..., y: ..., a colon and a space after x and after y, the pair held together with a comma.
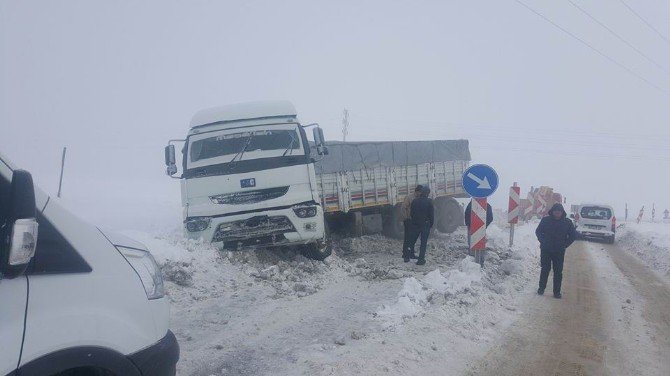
x: 468, y: 213
x: 555, y: 234
x: 422, y: 212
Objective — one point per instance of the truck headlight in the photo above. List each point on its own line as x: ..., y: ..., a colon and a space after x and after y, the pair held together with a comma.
x: 146, y: 268
x: 305, y: 211
x: 198, y: 224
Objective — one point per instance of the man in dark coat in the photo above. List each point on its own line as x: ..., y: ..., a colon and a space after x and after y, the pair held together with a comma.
x: 405, y: 215
x: 422, y: 216
x: 555, y: 233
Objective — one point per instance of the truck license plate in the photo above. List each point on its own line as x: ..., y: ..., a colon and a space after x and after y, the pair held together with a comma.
x: 248, y: 183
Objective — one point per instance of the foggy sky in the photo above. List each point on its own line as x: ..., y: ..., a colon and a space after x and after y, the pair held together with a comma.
x: 114, y: 80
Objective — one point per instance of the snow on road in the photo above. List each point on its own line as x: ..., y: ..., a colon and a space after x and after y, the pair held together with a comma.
x: 362, y: 311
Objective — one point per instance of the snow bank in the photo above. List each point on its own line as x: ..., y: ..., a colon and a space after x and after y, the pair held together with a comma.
x: 650, y: 242
x: 415, y: 295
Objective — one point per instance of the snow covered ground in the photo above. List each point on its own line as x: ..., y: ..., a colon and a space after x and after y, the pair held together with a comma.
x: 362, y: 311
x: 650, y: 242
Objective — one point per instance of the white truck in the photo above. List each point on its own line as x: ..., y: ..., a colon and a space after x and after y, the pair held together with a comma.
x: 250, y: 177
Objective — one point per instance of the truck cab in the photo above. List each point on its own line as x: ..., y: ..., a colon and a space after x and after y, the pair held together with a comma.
x: 248, y: 178
x: 76, y: 300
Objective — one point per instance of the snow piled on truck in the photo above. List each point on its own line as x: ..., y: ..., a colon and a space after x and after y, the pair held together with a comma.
x: 358, y: 312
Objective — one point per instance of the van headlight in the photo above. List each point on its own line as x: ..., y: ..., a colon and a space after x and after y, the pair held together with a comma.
x: 305, y: 211
x: 147, y: 269
x: 198, y: 224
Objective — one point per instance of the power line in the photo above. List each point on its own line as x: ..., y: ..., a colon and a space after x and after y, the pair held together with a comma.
x: 646, y: 22
x: 659, y: 66
x: 595, y: 49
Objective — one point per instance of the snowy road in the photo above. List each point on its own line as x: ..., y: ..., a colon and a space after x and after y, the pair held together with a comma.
x: 614, y: 319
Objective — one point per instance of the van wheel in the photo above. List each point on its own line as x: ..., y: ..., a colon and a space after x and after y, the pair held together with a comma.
x: 610, y: 240
x: 448, y: 214
x: 393, y: 226
x: 321, y: 249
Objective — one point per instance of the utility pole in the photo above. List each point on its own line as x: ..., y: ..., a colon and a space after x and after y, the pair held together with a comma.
x: 345, y: 125
x: 62, y: 167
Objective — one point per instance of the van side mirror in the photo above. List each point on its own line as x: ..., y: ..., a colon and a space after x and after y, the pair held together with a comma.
x: 20, y: 234
x: 320, y: 141
x: 170, y: 160
x: 572, y: 216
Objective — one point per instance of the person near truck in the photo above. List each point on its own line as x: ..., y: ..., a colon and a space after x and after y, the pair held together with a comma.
x: 555, y: 233
x: 422, y: 217
x: 407, y: 249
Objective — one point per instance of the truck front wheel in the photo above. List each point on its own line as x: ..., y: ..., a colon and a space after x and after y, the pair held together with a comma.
x: 448, y: 214
x: 321, y: 249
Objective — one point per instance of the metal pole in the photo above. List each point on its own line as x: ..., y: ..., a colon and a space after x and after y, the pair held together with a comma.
x: 62, y: 167
x: 511, y: 235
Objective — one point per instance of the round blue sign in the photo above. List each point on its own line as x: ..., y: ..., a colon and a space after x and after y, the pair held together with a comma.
x: 480, y: 180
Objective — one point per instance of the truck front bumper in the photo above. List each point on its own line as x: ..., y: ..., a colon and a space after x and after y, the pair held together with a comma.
x: 264, y: 228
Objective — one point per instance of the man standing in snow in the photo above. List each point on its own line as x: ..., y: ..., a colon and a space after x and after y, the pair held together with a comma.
x: 421, y: 220
x: 407, y: 249
x: 555, y: 233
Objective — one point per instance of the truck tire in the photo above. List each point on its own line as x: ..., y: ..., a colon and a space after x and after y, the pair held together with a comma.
x: 448, y: 214
x: 356, y: 224
x: 321, y: 249
x: 393, y: 226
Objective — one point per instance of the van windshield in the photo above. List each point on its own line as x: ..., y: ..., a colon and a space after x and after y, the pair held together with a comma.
x: 595, y: 212
x: 222, y: 147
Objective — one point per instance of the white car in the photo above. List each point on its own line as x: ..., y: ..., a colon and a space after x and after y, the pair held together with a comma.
x: 596, y: 221
x: 75, y: 300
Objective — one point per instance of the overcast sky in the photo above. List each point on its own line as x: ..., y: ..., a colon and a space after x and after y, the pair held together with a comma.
x: 114, y: 80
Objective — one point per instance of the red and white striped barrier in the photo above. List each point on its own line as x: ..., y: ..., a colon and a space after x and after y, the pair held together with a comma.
x: 540, y: 204
x: 514, y: 203
x: 528, y: 213
x: 478, y: 224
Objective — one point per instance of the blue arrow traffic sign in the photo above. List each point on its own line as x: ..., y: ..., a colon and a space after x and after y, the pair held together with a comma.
x: 480, y: 180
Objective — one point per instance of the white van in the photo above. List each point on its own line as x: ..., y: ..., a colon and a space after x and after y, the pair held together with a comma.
x: 75, y: 300
x: 596, y: 221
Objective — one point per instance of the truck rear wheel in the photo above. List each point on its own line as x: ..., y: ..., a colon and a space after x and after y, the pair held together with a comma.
x: 448, y: 214
x: 393, y: 226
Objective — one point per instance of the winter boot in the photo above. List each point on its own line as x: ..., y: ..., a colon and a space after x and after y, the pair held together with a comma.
x: 421, y: 262
x: 540, y: 291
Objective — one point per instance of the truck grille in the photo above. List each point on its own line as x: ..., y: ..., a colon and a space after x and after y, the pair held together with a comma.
x: 260, y: 229
x: 249, y: 197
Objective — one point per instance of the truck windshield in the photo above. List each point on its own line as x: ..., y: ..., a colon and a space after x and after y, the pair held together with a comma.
x: 595, y: 212
x: 245, y: 145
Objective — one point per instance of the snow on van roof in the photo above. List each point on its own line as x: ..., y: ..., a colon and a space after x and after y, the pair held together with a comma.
x: 243, y: 111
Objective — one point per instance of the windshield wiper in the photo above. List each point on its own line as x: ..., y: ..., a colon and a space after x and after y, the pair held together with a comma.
x: 290, y: 146
x: 244, y: 148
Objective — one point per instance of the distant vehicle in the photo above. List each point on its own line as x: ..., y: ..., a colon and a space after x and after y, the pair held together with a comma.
x: 596, y: 221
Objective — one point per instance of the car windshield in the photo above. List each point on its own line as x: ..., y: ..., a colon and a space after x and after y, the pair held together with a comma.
x: 595, y: 212
x: 246, y: 145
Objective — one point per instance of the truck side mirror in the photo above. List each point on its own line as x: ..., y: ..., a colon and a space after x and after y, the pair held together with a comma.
x: 21, y: 231
x: 320, y: 141
x: 170, y: 160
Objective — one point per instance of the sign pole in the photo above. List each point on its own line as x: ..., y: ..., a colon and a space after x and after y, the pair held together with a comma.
x: 62, y: 167
x: 513, y: 210
x: 479, y: 181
